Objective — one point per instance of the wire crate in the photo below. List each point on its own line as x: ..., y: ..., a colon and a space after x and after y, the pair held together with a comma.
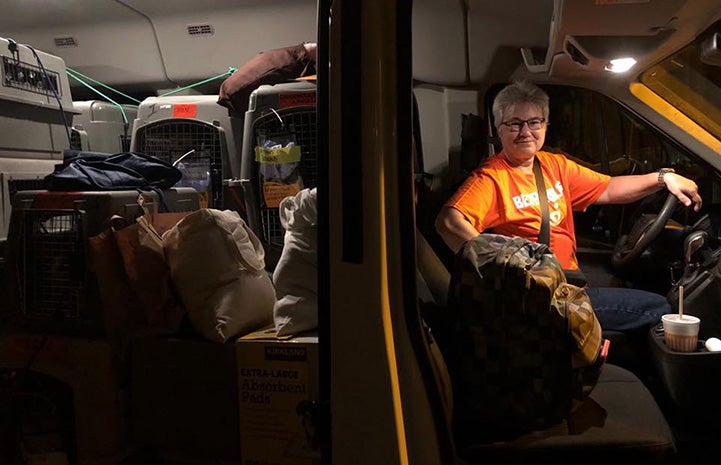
x: 53, y: 264
x: 301, y: 123
x: 198, y: 141
x: 51, y: 287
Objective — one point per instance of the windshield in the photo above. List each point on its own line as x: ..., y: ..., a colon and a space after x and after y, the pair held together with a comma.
x: 690, y: 85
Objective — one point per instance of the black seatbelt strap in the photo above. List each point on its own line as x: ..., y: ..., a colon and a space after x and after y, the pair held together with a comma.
x: 544, y: 235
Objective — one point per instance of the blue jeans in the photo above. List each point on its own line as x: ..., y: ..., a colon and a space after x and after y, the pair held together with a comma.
x: 623, y: 309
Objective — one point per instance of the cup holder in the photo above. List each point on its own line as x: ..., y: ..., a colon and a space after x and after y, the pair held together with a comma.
x: 700, y: 347
x: 691, y: 378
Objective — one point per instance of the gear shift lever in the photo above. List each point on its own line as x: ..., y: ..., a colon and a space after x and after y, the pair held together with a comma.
x: 692, y: 243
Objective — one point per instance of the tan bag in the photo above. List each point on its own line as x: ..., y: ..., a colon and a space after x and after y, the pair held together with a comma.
x: 134, y: 282
x: 141, y: 249
x: 120, y: 308
x: 218, y: 268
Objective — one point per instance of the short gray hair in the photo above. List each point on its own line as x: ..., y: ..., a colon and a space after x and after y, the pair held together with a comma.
x: 516, y: 93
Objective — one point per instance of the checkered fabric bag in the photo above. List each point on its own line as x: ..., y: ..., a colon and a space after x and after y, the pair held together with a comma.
x: 526, y: 344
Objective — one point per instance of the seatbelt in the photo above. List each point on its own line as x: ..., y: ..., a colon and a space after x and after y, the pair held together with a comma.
x: 576, y: 277
x: 544, y: 235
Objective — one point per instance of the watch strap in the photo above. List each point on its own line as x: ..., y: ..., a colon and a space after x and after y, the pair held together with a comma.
x: 661, y: 174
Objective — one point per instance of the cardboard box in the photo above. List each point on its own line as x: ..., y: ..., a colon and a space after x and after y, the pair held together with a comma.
x: 88, y: 370
x: 278, y: 391
x: 185, y: 399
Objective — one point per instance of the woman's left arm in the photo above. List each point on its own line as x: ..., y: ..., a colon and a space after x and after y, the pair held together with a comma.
x: 626, y: 189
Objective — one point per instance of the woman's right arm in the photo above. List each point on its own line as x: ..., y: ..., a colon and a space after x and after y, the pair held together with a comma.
x: 454, y: 228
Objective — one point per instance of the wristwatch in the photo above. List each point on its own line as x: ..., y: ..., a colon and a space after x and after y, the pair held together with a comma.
x: 661, y: 173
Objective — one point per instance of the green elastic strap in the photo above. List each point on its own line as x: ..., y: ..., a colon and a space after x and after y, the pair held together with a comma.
x: 120, y: 107
x: 230, y: 71
x: 78, y: 73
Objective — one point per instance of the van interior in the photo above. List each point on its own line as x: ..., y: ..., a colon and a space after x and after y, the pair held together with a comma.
x: 397, y: 118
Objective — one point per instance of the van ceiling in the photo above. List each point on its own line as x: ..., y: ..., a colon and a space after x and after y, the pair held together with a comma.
x: 146, y: 45
x: 600, y: 30
x: 471, y: 43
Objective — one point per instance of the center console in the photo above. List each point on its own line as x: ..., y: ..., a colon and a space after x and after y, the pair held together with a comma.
x: 692, y: 379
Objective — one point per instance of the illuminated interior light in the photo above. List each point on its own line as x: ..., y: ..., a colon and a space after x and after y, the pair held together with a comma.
x: 620, y: 65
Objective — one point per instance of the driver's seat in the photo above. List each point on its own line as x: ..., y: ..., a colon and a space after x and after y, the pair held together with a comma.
x: 619, y: 422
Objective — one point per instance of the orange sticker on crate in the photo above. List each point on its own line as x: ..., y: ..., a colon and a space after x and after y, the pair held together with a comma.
x: 184, y: 110
x: 296, y: 99
x: 274, y: 192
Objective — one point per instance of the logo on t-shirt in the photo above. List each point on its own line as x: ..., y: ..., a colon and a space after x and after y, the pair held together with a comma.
x: 554, y: 194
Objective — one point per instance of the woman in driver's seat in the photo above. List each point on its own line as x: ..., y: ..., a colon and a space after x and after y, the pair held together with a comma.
x: 501, y: 194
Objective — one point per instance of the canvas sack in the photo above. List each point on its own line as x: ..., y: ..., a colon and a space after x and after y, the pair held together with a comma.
x: 218, y: 269
x: 296, y: 275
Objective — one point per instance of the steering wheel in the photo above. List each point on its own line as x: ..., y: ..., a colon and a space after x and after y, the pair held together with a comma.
x: 646, y: 229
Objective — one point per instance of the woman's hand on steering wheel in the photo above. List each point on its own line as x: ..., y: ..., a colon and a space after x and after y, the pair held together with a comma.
x: 645, y: 230
x: 685, y: 190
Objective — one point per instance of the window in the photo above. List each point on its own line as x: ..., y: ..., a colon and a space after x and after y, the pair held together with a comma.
x: 598, y: 133
x: 690, y: 85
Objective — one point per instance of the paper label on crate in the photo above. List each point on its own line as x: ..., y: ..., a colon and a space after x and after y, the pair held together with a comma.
x: 274, y: 192
x: 296, y: 99
x: 184, y: 110
x: 278, y: 156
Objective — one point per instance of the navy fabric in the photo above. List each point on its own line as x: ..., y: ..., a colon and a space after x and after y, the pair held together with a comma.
x: 70, y: 156
x: 122, y: 171
x: 623, y: 309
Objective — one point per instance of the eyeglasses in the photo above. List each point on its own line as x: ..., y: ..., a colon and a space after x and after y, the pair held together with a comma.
x: 534, y: 124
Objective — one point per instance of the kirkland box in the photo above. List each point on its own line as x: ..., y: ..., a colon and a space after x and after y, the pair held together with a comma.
x: 278, y: 393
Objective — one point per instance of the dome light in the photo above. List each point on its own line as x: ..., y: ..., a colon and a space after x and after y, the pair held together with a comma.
x: 620, y: 65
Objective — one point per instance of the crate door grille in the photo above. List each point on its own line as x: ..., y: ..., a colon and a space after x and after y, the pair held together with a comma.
x: 169, y: 140
x: 53, y: 264
x: 75, y: 140
x: 302, y: 123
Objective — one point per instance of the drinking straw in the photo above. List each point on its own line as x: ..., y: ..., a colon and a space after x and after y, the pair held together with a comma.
x: 680, y: 302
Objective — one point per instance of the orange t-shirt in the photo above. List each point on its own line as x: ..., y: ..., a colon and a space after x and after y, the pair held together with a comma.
x: 498, y: 196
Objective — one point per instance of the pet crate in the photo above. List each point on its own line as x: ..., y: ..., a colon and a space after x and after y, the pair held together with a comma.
x: 37, y: 418
x: 197, y: 134
x: 100, y: 127
x: 63, y: 401
x: 17, y: 175
x: 32, y: 123
x: 32, y: 120
x: 49, y: 285
x: 279, y: 156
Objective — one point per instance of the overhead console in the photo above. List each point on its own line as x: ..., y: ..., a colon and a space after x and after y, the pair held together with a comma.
x: 589, y: 35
